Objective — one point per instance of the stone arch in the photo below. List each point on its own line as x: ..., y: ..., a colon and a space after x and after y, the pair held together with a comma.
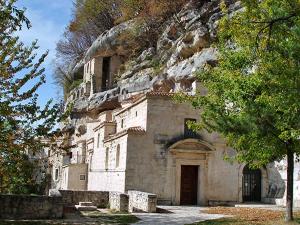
x: 264, y: 182
x: 191, y: 144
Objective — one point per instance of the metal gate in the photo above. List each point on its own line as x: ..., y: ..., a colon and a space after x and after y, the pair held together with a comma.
x: 251, y: 185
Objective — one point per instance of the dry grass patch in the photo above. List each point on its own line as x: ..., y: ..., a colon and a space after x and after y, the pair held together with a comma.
x: 248, y: 216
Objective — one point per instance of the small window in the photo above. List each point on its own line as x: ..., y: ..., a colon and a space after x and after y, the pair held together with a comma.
x: 90, y: 163
x: 106, y: 158
x: 189, y: 133
x: 122, y: 123
x: 136, y: 114
x: 82, y: 177
x: 56, y: 173
x: 105, y: 73
x: 118, y: 156
x: 98, y: 140
x: 49, y: 153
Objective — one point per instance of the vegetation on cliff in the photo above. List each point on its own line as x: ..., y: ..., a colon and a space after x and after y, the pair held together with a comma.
x: 93, y: 17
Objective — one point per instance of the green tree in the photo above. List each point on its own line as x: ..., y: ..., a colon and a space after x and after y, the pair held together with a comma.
x: 253, y: 92
x: 23, y: 123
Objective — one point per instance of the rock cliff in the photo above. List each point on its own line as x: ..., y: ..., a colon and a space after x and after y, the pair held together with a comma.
x: 183, y: 48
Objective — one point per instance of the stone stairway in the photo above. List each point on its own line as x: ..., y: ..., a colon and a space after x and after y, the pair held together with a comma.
x: 85, y: 206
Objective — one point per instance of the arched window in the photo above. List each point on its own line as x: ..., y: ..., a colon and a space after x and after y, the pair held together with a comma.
x: 118, y: 156
x: 98, y: 140
x: 106, y: 158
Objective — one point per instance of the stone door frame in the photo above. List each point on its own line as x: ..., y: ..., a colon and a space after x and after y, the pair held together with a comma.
x: 192, y: 152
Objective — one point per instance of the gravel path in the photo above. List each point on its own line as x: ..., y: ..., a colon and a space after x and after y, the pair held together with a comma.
x: 175, y: 215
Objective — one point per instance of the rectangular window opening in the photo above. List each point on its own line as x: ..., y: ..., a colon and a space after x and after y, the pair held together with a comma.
x: 82, y: 177
x: 188, y: 132
x: 98, y: 141
x: 56, y: 174
x: 105, y: 73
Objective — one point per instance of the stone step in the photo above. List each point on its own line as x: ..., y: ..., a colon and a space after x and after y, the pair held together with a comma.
x: 85, y: 208
x: 85, y: 203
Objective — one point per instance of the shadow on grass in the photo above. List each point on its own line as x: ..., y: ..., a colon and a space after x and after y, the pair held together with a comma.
x: 23, y: 223
x: 113, y: 218
x: 97, y: 218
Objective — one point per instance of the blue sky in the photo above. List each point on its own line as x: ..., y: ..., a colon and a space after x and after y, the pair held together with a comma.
x: 49, y: 19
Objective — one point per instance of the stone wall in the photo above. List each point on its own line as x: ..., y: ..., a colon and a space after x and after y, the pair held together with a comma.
x: 71, y: 198
x: 142, y: 201
x: 118, y: 201
x: 30, y: 207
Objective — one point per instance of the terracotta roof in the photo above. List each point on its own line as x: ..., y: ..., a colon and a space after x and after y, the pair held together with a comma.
x: 136, y: 129
x: 141, y: 97
x: 131, y: 130
x: 164, y: 94
x: 133, y: 98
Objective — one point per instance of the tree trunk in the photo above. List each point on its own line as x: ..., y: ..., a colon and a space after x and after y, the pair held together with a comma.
x: 290, y: 185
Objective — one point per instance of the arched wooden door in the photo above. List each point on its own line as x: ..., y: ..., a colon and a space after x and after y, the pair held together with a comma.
x: 251, y: 185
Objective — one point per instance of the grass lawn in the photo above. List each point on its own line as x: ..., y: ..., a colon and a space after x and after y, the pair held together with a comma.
x: 248, y: 216
x: 90, y: 218
x: 111, y: 217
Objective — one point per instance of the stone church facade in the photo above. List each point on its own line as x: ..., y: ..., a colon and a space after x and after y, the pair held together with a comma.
x: 130, y: 134
x: 145, y: 144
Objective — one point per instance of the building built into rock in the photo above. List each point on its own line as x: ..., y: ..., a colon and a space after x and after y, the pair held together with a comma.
x: 130, y: 133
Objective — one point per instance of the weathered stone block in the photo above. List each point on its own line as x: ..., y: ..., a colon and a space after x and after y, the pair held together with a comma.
x: 142, y: 201
x: 118, y: 201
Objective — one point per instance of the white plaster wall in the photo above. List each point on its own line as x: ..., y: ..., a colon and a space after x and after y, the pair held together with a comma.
x: 223, y: 177
x: 111, y: 178
x: 133, y: 117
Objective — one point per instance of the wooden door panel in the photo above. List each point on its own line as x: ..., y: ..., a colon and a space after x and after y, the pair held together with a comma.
x: 189, y: 185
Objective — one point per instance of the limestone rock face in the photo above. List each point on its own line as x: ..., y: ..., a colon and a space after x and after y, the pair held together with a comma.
x: 111, y: 42
x: 182, y: 49
x: 186, y: 69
